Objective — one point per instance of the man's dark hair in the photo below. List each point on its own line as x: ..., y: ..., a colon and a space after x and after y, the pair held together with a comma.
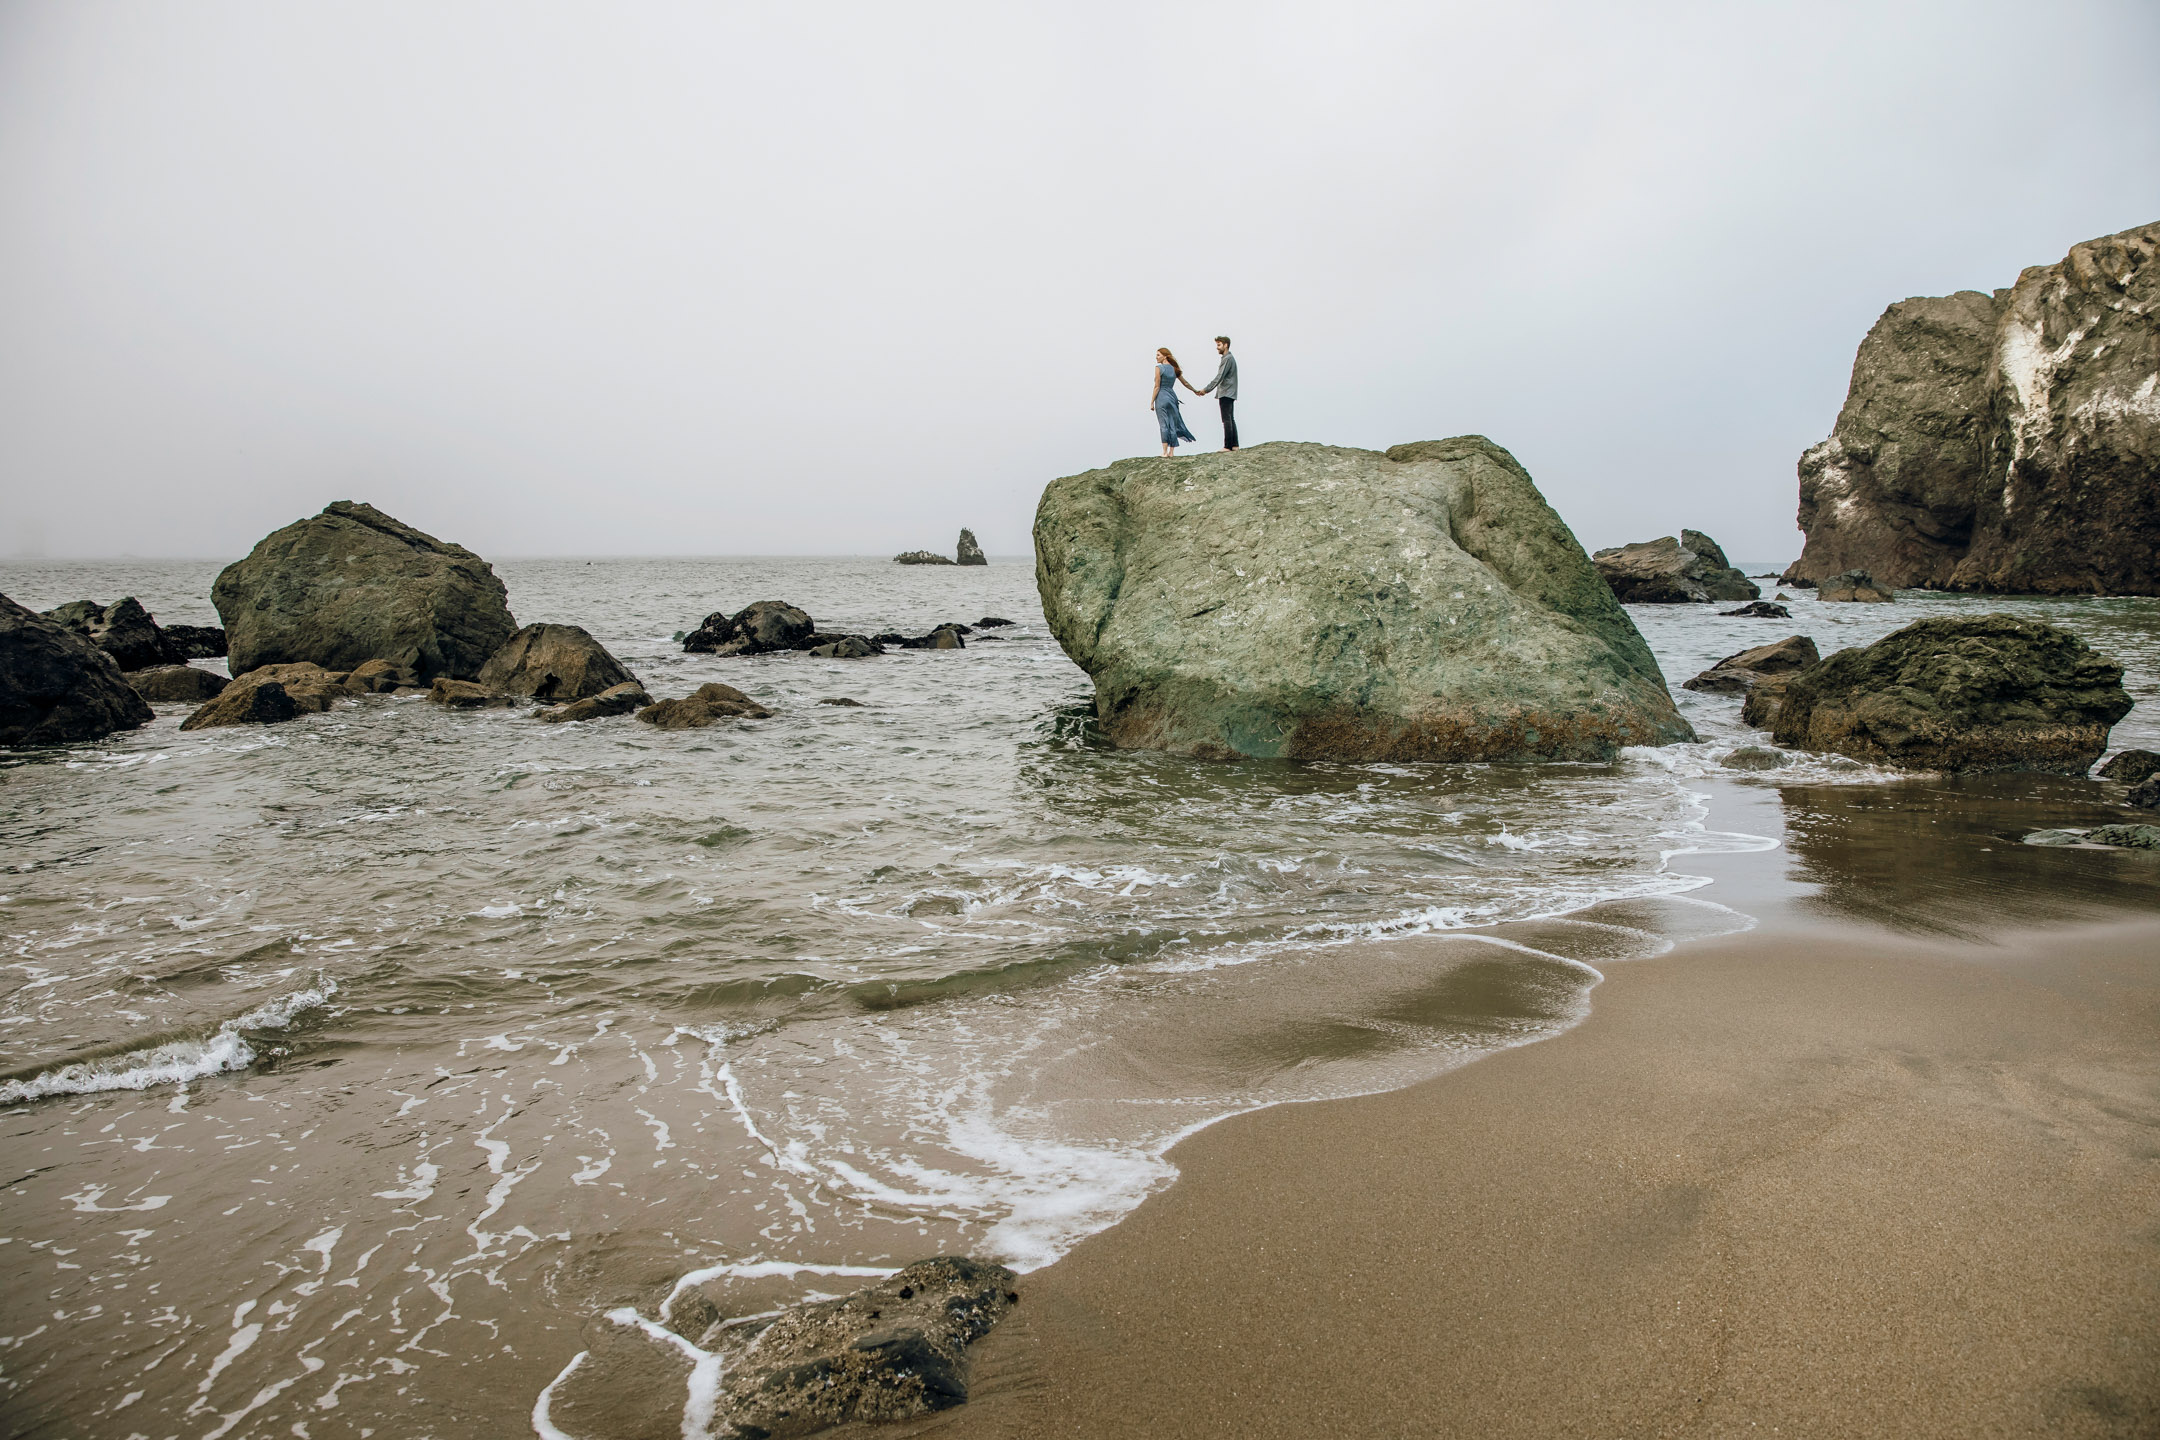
x: 1224, y: 339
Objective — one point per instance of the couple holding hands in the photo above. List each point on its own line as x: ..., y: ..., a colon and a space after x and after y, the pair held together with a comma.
x: 1170, y: 419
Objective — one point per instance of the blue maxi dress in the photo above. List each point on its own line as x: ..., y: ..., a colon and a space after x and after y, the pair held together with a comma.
x: 1169, y: 416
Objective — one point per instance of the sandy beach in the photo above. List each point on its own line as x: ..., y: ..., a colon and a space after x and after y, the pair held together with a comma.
x: 1820, y: 1179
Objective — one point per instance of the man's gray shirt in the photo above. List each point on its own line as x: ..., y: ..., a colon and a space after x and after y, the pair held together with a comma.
x: 1224, y: 385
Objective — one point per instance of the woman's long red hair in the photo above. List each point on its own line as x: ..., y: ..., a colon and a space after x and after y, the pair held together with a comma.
x: 1175, y: 368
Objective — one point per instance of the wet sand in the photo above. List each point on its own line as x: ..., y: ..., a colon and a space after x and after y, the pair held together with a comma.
x: 1821, y: 1179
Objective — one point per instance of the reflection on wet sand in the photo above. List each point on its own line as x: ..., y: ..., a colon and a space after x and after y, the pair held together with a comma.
x: 1942, y: 854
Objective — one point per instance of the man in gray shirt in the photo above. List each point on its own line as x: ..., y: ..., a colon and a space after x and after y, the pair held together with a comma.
x: 1225, y: 387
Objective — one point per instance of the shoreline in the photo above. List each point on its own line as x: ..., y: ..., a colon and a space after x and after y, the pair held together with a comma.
x: 1817, y: 1178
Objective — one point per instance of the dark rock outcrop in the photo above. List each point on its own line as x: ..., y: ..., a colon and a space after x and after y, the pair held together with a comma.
x: 617, y: 700
x: 1985, y: 692
x: 187, y: 684
x: 123, y: 630
x: 1737, y: 674
x: 2131, y: 767
x: 968, y: 552
x: 2006, y: 443
x: 709, y: 704
x: 757, y: 629
x: 922, y: 557
x: 1313, y: 602
x: 891, y: 1352
x: 1855, y: 585
x: 553, y: 662
x: 57, y: 687
x: 351, y: 585
x: 990, y: 622
x: 195, y: 642
x: 1667, y: 571
x: 265, y: 703
x: 843, y: 700
x: 848, y: 647
x: 1758, y: 610
x: 382, y: 677
x: 2145, y: 795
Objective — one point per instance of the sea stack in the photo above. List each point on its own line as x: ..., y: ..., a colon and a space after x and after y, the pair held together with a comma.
x: 352, y: 585
x: 2006, y: 443
x: 1314, y: 602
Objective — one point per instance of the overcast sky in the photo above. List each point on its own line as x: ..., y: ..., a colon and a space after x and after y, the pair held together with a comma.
x: 621, y: 278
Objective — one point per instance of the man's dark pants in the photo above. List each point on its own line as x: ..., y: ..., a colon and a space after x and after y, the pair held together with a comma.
x: 1229, y: 423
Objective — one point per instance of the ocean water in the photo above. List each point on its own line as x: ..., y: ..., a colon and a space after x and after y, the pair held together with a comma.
x: 397, y: 1057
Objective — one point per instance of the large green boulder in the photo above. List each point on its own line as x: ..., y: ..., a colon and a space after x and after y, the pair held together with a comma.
x: 352, y: 585
x: 1960, y: 693
x: 1315, y: 602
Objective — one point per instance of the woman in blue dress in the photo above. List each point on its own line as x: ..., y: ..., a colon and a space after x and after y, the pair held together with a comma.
x: 1164, y: 402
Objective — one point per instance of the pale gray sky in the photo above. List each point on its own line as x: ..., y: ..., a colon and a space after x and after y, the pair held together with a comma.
x: 614, y: 278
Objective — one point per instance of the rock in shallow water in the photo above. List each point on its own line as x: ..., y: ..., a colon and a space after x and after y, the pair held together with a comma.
x: 757, y: 629
x: 1759, y: 610
x: 968, y: 552
x: 2129, y: 837
x: 1753, y: 757
x: 352, y: 585
x: 1313, y: 602
x: 2131, y: 767
x: 922, y: 557
x: 56, y: 687
x: 1691, y: 569
x: 553, y: 662
x: 709, y: 704
x: 1976, y: 693
x: 1855, y: 586
x: 617, y: 700
x: 891, y: 1352
x: 263, y: 703
x: 1738, y: 674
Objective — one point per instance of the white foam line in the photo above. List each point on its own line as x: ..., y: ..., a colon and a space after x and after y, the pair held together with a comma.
x: 704, y: 1382
x: 543, y: 1425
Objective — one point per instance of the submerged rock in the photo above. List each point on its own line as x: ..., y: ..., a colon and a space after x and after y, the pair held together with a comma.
x: 968, y: 552
x: 922, y: 557
x: 616, y: 700
x: 842, y: 700
x: 2129, y: 767
x: 708, y: 704
x: 757, y: 629
x: 466, y: 695
x: 990, y: 622
x: 1690, y: 569
x: 1753, y: 757
x: 1984, y: 692
x: 945, y: 637
x: 163, y: 684
x: 848, y: 647
x: 1855, y: 585
x: 1738, y: 674
x: 352, y: 585
x: 1759, y: 610
x: 57, y: 687
x: 1313, y: 602
x: 2002, y: 443
x: 553, y: 662
x: 891, y: 1352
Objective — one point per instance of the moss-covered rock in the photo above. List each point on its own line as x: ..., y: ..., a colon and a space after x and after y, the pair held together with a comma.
x: 1982, y: 692
x: 1314, y: 602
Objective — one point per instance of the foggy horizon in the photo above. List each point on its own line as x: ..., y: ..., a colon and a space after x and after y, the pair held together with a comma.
x: 546, y: 280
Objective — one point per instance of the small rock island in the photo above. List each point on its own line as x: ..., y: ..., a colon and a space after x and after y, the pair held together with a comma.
x: 1312, y: 602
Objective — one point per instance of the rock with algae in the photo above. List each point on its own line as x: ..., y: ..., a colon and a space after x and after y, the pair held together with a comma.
x: 1314, y: 602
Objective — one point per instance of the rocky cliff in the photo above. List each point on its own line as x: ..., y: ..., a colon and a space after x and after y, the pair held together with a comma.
x: 2006, y: 442
x: 1310, y: 602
